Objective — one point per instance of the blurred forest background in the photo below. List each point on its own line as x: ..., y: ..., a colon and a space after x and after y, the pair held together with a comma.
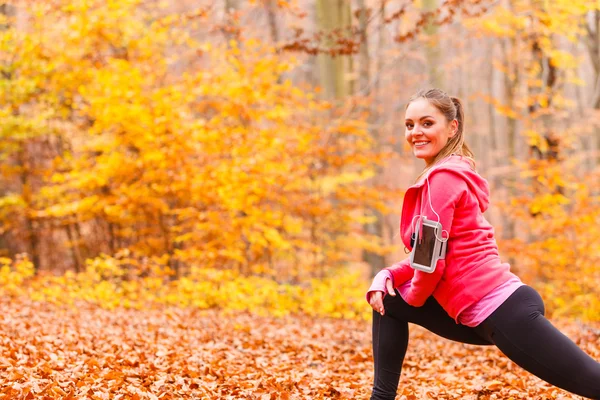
x: 250, y: 154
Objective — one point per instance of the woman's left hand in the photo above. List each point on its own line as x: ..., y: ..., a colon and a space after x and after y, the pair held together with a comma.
x: 376, y: 299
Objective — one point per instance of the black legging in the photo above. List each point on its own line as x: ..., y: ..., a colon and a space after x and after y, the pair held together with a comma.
x: 518, y: 327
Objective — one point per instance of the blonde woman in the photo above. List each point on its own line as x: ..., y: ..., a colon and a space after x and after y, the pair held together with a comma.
x: 471, y: 296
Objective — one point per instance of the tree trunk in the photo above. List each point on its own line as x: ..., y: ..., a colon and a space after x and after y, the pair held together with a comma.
x: 492, y: 142
x: 6, y: 10
x: 31, y: 230
x: 375, y: 228
x: 231, y: 5
x: 432, y: 48
x: 75, y: 250
x: 510, y: 88
x: 593, y: 46
x: 231, y: 32
x: 333, y: 70
x: 271, y: 6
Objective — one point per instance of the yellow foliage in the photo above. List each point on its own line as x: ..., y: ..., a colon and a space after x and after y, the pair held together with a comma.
x: 14, y: 274
x: 114, y: 282
x: 531, y: 34
x: 223, y: 163
x: 560, y: 218
x: 228, y: 165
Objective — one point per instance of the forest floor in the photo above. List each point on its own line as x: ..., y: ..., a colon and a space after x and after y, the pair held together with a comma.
x: 49, y: 351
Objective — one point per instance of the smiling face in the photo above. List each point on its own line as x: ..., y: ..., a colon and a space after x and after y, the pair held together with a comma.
x: 427, y: 129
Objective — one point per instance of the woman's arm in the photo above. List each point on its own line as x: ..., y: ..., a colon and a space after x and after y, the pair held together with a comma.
x: 447, y: 189
x: 401, y: 272
x: 398, y: 273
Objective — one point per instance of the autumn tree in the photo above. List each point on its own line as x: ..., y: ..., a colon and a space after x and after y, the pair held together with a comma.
x: 551, y: 197
x: 224, y: 164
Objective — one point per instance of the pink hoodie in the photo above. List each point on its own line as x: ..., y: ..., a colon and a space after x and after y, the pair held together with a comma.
x: 472, y: 267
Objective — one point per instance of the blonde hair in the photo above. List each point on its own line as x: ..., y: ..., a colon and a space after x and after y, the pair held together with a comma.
x: 452, y: 109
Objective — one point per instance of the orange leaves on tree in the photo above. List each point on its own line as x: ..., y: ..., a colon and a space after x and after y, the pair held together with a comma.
x: 558, y: 245
x: 204, y: 153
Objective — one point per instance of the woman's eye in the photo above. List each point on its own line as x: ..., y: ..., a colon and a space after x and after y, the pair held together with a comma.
x: 409, y: 126
x: 427, y: 124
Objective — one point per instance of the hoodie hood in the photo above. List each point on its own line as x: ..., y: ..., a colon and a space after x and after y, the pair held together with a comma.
x: 460, y: 165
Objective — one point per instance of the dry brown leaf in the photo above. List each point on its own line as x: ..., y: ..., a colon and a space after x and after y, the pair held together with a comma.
x: 86, y: 352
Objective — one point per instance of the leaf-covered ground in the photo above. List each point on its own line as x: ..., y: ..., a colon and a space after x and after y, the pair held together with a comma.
x: 49, y: 352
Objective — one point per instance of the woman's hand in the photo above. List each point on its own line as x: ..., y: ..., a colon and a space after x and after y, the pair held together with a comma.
x: 376, y: 299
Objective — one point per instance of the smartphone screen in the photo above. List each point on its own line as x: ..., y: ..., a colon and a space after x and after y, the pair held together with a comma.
x: 424, y: 248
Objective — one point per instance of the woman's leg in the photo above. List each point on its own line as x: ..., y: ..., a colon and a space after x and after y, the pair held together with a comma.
x: 520, y: 330
x: 390, y: 338
x: 390, y: 341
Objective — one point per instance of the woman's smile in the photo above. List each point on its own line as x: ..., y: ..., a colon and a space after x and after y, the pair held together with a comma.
x: 420, y: 144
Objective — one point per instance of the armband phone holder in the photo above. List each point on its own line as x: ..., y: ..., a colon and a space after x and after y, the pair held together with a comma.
x: 428, y: 246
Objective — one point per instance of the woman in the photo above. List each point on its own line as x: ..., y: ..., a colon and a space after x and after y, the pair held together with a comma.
x: 471, y: 297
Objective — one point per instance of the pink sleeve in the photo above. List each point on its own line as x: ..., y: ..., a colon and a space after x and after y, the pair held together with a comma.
x: 401, y: 272
x: 423, y: 285
x: 379, y: 283
x: 446, y: 189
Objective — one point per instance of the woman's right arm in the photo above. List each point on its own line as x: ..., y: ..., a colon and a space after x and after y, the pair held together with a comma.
x: 401, y: 272
x: 398, y: 274
x: 385, y: 281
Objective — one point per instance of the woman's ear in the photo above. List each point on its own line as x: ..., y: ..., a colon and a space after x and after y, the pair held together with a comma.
x: 453, y: 128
